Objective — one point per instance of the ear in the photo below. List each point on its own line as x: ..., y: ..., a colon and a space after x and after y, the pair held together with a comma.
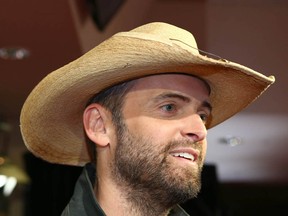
x: 94, y: 120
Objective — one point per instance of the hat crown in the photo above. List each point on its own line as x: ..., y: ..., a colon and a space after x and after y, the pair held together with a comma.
x: 170, y: 32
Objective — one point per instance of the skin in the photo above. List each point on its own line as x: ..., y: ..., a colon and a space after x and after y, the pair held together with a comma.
x: 138, y: 165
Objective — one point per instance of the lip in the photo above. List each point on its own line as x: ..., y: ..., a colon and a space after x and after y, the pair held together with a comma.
x: 191, y: 151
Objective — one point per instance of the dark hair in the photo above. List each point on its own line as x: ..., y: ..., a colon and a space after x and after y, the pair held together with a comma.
x: 112, y: 99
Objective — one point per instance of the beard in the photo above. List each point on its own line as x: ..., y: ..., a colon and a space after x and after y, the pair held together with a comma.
x: 148, y: 172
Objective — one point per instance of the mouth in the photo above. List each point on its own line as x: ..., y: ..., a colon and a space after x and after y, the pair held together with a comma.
x: 188, y: 154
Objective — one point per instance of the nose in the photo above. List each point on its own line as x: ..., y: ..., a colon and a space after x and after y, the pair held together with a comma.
x: 194, y: 128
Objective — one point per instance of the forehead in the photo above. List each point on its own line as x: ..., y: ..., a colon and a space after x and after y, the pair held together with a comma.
x: 174, y: 82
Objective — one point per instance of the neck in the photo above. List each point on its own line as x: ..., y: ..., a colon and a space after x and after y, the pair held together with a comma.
x: 118, y: 199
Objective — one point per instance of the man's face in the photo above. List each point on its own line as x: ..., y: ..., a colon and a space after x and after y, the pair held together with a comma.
x: 161, y: 140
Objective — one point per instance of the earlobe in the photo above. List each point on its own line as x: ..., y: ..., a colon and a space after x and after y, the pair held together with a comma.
x: 94, y: 124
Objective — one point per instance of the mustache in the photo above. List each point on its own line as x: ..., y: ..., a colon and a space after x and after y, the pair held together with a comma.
x: 183, y: 143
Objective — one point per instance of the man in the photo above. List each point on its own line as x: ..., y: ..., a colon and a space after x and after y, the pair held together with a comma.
x: 145, y: 99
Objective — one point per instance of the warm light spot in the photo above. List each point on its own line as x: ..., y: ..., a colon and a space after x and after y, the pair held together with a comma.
x: 2, y: 160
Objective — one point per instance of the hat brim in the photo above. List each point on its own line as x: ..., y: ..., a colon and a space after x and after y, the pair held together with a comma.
x: 51, y: 118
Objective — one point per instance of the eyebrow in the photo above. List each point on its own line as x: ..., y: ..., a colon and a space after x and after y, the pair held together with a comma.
x: 207, y: 105
x: 171, y: 95
x: 204, y: 104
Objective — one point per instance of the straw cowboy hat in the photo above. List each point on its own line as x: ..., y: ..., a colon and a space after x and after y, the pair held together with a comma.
x: 51, y: 118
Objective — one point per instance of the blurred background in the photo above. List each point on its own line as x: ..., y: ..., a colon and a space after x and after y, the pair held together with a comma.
x: 245, y: 171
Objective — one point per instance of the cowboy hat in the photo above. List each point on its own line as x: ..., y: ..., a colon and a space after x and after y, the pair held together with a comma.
x: 51, y: 117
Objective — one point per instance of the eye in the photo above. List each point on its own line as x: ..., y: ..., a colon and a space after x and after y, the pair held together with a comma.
x: 204, y: 117
x: 168, y: 107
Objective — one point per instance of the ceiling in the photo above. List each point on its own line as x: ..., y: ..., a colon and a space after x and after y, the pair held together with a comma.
x: 253, y: 33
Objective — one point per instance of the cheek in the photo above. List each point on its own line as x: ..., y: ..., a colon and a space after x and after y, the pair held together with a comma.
x: 155, y: 129
x: 204, y: 148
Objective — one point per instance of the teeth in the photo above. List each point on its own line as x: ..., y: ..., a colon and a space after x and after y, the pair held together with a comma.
x: 184, y: 155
